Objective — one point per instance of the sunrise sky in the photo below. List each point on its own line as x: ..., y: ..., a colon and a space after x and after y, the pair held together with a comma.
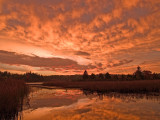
x: 69, y: 36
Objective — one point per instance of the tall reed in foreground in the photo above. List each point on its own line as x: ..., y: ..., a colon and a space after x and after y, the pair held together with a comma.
x: 12, y: 93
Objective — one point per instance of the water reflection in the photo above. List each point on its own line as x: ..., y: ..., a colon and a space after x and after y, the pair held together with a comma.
x: 125, y: 97
x: 73, y: 104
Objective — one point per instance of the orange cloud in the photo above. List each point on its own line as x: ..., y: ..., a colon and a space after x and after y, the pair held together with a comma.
x: 85, y: 31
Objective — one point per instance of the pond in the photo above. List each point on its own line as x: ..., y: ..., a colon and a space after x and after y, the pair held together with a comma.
x: 44, y: 103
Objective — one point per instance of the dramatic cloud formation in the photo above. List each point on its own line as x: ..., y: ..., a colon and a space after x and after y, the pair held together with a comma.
x: 65, y: 36
x: 12, y: 58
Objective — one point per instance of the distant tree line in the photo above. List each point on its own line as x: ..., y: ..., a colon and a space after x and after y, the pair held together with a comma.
x: 137, y: 75
x: 34, y: 77
x: 28, y: 77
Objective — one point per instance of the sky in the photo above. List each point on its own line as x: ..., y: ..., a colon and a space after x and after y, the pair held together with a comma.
x: 53, y: 37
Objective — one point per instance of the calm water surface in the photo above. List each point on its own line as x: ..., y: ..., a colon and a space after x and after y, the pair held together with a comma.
x: 72, y: 104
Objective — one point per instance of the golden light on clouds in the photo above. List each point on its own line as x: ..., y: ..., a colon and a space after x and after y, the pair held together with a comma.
x: 100, y: 36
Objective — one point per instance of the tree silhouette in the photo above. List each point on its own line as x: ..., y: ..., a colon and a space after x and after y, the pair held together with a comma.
x: 122, y: 77
x: 93, y: 76
x: 85, y: 75
x: 147, y: 74
x: 155, y: 76
x: 138, y: 73
x: 129, y: 77
x: 101, y: 76
x: 107, y: 76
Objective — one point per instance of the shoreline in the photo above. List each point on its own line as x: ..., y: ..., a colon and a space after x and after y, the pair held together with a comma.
x: 138, y: 86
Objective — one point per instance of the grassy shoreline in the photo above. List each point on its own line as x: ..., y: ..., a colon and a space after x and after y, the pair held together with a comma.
x: 12, y: 93
x: 141, y: 86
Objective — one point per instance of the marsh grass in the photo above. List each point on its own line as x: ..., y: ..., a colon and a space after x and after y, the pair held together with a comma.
x: 12, y: 93
x: 141, y: 86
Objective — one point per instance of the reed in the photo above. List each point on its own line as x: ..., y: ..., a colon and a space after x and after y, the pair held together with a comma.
x: 141, y: 86
x: 12, y: 93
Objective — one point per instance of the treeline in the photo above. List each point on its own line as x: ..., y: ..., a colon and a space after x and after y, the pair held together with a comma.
x: 34, y: 77
x: 137, y: 75
x: 28, y: 77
